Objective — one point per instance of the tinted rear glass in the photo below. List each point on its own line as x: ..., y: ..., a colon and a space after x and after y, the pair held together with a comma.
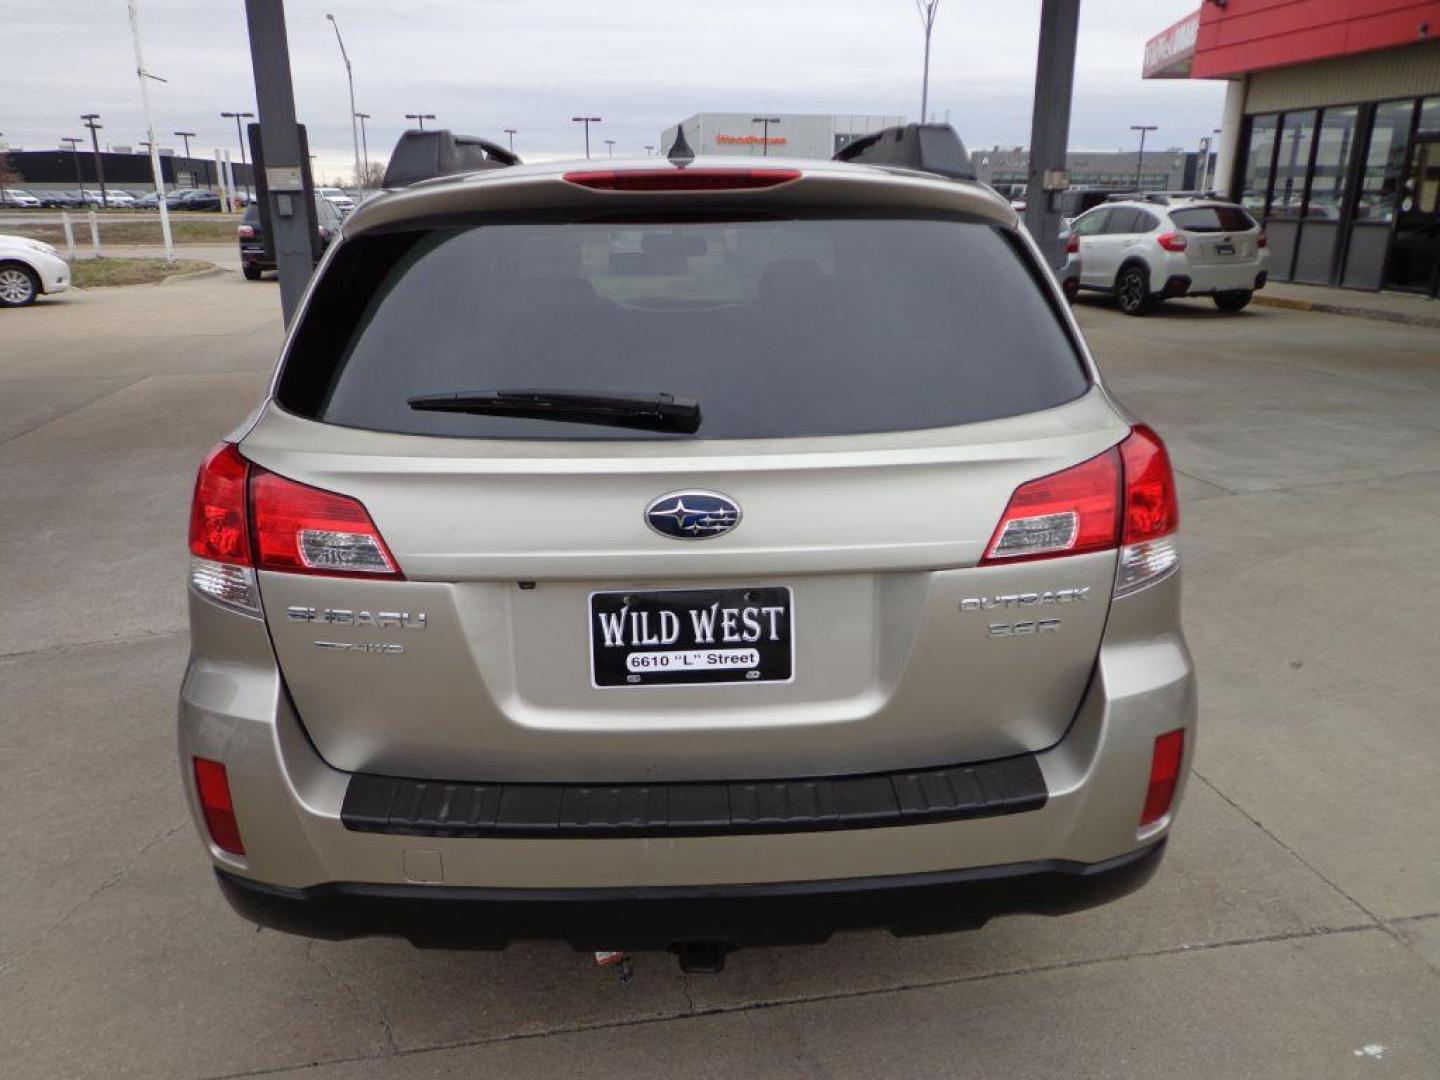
x: 1212, y: 219
x: 777, y: 327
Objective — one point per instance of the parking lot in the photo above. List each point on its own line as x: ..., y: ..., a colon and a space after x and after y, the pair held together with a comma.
x: 1294, y: 930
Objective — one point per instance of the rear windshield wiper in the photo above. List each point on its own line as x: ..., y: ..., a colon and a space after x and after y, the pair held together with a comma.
x: 652, y: 412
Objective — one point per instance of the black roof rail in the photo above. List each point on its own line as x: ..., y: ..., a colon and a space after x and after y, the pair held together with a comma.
x: 932, y: 148
x: 423, y: 155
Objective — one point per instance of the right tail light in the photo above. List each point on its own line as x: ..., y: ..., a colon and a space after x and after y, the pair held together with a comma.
x: 246, y: 232
x: 1123, y: 498
x: 1072, y: 245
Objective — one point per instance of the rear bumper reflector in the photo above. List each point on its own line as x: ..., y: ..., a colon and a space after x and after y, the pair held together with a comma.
x: 445, y: 808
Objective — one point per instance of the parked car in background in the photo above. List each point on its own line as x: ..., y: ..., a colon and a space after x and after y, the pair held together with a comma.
x: 252, y: 237
x: 112, y: 198
x: 530, y: 604
x: 17, y: 198
x: 1156, y: 247
x: 28, y: 270
x: 57, y: 200
x: 337, y: 198
x: 193, y: 199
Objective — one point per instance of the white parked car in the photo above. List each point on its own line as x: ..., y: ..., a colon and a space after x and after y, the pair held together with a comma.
x: 337, y: 198
x: 13, y: 197
x: 1155, y: 247
x: 28, y: 269
x: 113, y: 198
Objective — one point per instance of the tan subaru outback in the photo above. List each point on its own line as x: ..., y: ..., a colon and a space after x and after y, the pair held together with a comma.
x: 684, y: 554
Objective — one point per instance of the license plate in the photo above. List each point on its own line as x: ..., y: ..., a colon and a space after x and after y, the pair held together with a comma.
x: 692, y: 636
x: 1224, y: 249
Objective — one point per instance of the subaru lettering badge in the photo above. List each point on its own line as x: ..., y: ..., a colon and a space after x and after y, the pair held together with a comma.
x: 692, y: 515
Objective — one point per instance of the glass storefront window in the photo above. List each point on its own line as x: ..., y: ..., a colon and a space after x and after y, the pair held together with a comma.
x: 1384, y: 161
x: 1255, y: 187
x: 1430, y: 114
x: 1296, y: 134
x: 1332, y: 163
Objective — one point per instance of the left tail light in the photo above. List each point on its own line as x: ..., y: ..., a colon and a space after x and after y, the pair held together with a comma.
x: 1123, y: 498
x: 244, y: 518
x: 1171, y: 241
x: 245, y: 232
x: 212, y: 784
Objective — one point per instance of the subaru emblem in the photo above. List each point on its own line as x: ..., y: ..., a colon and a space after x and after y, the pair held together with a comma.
x: 692, y: 515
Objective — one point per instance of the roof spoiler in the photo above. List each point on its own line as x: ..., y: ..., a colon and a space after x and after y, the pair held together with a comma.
x: 932, y: 148
x: 422, y: 155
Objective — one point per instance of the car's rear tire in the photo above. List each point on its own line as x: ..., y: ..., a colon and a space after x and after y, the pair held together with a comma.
x: 1238, y: 300
x: 18, y: 285
x: 251, y: 272
x: 1132, y: 291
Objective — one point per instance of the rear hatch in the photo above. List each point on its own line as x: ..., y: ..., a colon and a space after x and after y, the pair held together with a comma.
x: 1218, y: 235
x: 790, y: 589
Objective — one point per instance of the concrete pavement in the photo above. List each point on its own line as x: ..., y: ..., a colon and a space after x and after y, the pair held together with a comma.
x: 1294, y: 930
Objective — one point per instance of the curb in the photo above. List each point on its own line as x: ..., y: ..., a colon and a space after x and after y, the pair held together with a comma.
x: 212, y: 271
x: 1290, y: 304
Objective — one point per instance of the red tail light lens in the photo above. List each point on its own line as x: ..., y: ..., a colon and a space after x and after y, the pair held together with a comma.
x: 213, y: 787
x: 1066, y: 513
x: 245, y: 232
x: 673, y: 179
x: 1151, y: 507
x: 304, y: 530
x: 1164, y: 776
x: 1072, y: 245
x: 1172, y: 241
x: 1261, y: 240
x: 217, y: 512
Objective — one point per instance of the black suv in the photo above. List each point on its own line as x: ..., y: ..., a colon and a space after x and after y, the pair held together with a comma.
x: 253, y: 262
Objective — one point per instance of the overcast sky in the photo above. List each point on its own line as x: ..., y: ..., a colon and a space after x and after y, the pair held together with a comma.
x: 485, y: 65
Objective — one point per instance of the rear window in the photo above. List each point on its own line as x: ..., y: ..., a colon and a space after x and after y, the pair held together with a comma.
x: 828, y: 326
x: 1207, y: 219
x: 252, y: 214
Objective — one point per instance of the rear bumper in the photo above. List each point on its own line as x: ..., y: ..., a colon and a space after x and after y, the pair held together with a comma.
x: 664, y: 917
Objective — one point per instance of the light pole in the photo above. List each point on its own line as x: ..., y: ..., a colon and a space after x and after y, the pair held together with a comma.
x: 512, y: 132
x: 587, y: 121
x: 89, y: 121
x: 73, y: 142
x: 420, y: 117
x: 650, y: 151
x: 152, y: 145
x: 926, y: 9
x: 1140, y: 158
x: 187, y: 136
x: 349, y: 78
x: 609, y: 147
x: 238, y: 116
x: 765, y: 122
x: 364, y: 144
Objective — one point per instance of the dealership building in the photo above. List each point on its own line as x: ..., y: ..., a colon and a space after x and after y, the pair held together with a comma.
x: 65, y: 170
x: 793, y: 135
x: 1331, y: 130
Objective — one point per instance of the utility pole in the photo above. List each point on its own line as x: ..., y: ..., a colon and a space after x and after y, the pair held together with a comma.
x: 1050, y: 124
x: 1140, y: 158
x: 73, y: 142
x: 350, y: 78
x: 420, y: 118
x: 364, y: 145
x: 512, y: 132
x: 765, y: 122
x: 152, y: 146
x: 587, y: 121
x: 927, y: 10
x: 89, y: 120
x: 187, y: 136
x: 238, y: 116
x: 291, y: 209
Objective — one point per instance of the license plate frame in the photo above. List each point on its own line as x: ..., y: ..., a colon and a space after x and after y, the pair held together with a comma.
x: 1225, y: 249
x: 755, y: 646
